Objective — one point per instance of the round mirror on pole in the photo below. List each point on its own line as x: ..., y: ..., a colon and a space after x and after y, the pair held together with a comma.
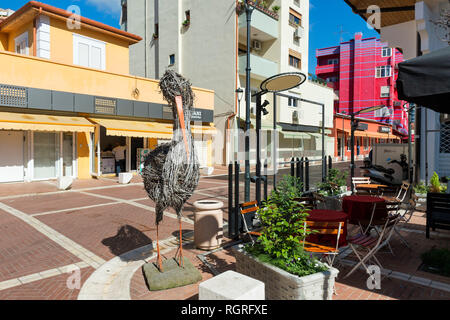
x: 283, y: 82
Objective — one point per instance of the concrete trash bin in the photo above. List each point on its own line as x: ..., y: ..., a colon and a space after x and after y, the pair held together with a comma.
x: 208, y: 224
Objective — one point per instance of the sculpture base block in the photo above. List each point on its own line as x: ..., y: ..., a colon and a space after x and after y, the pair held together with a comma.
x: 173, y: 276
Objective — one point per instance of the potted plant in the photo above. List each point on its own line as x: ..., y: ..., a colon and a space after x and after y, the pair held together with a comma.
x: 275, y: 9
x: 186, y: 23
x: 277, y: 258
x: 333, y: 188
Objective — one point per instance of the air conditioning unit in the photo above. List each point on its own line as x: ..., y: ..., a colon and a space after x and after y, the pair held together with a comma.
x: 256, y: 44
x: 298, y: 33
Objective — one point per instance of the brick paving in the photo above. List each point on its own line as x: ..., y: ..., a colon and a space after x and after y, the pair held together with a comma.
x: 107, y: 219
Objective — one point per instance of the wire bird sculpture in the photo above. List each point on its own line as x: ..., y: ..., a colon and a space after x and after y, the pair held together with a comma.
x: 171, y: 171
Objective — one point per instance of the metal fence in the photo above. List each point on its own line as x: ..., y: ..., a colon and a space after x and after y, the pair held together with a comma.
x: 310, y: 172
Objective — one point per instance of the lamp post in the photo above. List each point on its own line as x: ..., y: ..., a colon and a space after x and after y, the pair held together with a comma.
x: 239, y: 93
x: 277, y: 83
x: 248, y: 11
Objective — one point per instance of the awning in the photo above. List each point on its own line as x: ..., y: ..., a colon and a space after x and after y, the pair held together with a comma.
x: 40, y: 122
x: 142, y: 129
x: 137, y: 129
x: 425, y: 80
x: 295, y: 135
x: 370, y: 134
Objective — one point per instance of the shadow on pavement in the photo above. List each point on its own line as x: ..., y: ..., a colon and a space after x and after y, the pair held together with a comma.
x: 127, y: 238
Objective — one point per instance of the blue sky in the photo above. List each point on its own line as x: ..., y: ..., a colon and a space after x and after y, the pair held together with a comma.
x: 326, y: 19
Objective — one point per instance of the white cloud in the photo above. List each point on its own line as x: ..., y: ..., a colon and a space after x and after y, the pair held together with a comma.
x: 108, y: 6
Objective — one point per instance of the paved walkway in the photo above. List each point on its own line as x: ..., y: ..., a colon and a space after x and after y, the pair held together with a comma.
x: 91, y: 242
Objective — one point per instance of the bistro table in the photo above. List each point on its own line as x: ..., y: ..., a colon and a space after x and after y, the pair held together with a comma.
x: 359, y: 208
x: 329, y: 216
x: 370, y: 187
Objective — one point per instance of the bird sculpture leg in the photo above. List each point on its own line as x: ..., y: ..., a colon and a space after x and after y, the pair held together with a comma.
x: 157, y: 250
x: 181, y: 263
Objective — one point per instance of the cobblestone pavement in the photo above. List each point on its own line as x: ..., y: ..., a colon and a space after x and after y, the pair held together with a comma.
x: 104, y: 232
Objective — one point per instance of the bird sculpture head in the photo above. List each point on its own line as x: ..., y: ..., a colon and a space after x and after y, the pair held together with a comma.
x: 177, y: 91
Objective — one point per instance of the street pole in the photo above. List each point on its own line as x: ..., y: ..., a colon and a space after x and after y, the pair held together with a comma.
x: 352, y: 143
x: 258, y: 146
x: 248, y: 11
x: 275, y: 142
x: 324, y: 160
x: 410, y: 166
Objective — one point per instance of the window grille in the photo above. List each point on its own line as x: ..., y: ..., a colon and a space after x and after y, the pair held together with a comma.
x: 13, y: 96
x: 444, y: 144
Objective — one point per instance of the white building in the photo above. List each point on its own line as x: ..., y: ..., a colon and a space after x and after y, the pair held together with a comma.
x: 206, y: 42
x: 412, y: 29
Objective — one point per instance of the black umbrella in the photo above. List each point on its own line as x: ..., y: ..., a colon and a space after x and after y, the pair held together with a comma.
x: 425, y: 80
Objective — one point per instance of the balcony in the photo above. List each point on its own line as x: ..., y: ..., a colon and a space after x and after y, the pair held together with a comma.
x: 264, y: 26
x: 261, y: 67
x: 329, y: 68
x: 76, y: 88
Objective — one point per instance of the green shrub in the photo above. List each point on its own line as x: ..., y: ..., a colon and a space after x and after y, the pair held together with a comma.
x: 283, y: 231
x: 333, y: 183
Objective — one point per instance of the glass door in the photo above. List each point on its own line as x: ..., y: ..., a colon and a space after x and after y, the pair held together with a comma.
x: 46, y: 155
x: 68, y: 154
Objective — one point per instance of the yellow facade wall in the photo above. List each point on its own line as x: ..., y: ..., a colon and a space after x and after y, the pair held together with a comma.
x: 39, y: 73
x: 3, y: 41
x: 83, y: 155
x: 27, y: 27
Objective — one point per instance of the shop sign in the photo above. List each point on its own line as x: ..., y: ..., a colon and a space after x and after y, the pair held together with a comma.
x: 384, y: 129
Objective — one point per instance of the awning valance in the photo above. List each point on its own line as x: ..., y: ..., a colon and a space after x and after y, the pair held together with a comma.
x: 142, y: 129
x: 41, y: 122
x: 370, y: 134
x: 295, y: 135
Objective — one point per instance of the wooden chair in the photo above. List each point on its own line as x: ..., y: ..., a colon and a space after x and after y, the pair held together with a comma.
x: 328, y: 250
x: 360, y: 180
x: 245, y: 209
x: 400, y: 197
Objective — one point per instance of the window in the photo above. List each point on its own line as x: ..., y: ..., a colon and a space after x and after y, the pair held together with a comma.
x: 349, y: 142
x: 21, y: 43
x: 385, y: 92
x: 386, y: 52
x: 333, y: 61
x: 295, y: 20
x: 383, y: 112
x: 366, y: 143
x: 294, y: 62
x: 89, y: 52
x: 292, y: 102
x: 383, y: 71
x: 171, y: 60
x: 297, y: 2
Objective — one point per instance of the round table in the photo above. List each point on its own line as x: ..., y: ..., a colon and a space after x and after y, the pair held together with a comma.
x: 328, y: 216
x: 359, y: 208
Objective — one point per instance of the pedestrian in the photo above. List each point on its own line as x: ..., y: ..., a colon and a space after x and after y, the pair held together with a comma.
x: 119, y: 156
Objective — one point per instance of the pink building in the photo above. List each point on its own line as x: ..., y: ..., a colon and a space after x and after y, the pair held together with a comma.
x: 363, y: 73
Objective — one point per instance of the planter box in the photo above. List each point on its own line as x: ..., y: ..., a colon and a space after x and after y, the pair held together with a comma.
x: 281, y: 285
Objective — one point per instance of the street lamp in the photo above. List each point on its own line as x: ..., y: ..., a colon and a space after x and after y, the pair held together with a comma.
x: 354, y: 125
x: 277, y: 83
x: 240, y: 94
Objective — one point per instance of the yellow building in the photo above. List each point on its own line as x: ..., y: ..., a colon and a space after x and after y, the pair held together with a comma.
x: 66, y: 97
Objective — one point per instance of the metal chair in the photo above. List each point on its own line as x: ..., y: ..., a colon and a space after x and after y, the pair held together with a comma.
x: 249, y: 208
x: 365, y: 246
x: 327, y: 250
x: 402, y: 193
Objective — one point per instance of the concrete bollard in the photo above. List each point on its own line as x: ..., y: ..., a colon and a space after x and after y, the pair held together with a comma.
x: 125, y: 177
x: 208, y: 224
x: 64, y: 183
x: 231, y: 285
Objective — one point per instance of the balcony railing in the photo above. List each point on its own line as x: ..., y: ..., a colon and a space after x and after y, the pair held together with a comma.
x: 261, y: 67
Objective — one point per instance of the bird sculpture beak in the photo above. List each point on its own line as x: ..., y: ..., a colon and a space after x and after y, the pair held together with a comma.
x: 179, y: 102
